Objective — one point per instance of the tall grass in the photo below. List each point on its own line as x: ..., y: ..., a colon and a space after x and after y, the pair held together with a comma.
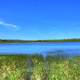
x: 37, y: 67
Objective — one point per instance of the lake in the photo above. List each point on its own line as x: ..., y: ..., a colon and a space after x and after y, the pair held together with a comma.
x: 70, y: 48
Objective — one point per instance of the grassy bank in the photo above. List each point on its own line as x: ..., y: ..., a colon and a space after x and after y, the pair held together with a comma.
x: 36, y: 67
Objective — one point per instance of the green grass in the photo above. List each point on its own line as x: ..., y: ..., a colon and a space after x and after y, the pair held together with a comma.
x: 36, y: 67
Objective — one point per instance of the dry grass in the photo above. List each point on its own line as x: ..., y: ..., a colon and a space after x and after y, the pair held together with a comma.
x: 35, y: 67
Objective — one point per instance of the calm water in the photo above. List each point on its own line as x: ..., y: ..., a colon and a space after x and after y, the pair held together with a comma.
x: 41, y: 48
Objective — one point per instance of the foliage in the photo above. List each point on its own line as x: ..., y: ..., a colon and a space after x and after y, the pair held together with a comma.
x: 31, y: 41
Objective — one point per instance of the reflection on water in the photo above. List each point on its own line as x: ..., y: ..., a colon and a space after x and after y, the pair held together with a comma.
x: 70, y: 49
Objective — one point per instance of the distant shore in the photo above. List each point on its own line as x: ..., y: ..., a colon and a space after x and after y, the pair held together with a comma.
x: 38, y: 41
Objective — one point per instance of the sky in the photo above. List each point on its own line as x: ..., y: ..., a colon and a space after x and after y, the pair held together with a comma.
x: 39, y: 19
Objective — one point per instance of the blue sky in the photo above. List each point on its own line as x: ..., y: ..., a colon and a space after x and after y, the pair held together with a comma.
x: 39, y: 19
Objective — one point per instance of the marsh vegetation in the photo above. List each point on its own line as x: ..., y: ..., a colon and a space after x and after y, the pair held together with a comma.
x: 38, y: 67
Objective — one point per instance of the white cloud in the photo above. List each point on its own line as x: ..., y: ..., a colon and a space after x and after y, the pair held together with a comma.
x: 2, y: 23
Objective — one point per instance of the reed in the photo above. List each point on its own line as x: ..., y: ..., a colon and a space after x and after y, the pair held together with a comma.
x: 37, y: 67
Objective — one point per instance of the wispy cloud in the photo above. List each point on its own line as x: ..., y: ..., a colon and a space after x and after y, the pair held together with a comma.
x: 8, y: 25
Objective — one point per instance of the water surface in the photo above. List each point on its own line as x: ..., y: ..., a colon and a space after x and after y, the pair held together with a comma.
x: 71, y: 48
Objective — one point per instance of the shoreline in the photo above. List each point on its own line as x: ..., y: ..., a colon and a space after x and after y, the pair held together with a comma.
x: 37, y: 42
